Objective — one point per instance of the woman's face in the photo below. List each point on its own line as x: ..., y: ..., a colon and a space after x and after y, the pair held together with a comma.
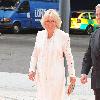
x: 50, y: 23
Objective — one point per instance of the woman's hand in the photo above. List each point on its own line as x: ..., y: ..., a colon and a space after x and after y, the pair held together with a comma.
x: 72, y: 85
x: 72, y: 80
x: 32, y: 75
x: 70, y: 88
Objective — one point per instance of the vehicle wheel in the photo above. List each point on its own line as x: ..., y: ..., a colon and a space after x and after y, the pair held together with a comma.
x: 16, y: 28
x: 89, y: 29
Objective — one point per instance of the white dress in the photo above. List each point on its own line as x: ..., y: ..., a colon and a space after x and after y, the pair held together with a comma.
x: 48, y: 62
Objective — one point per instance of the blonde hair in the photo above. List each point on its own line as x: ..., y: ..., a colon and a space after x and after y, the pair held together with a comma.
x: 54, y: 14
x: 98, y: 6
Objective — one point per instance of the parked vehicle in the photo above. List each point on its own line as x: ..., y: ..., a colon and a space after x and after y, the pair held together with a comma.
x: 83, y: 21
x: 15, y: 16
x: 26, y: 14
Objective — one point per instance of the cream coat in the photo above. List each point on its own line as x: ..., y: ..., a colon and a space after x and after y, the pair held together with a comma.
x: 48, y: 62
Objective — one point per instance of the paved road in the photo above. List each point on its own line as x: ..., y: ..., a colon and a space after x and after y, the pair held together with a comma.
x: 16, y: 49
x: 16, y: 86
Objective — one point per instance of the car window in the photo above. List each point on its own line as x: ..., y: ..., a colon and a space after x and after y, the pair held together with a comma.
x: 93, y: 16
x: 75, y: 14
x: 24, y: 7
x: 86, y: 16
x: 47, y: 0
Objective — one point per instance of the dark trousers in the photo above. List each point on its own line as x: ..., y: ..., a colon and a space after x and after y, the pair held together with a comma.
x: 97, y: 94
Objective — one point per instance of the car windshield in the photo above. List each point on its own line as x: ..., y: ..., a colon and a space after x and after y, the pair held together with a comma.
x: 8, y: 5
x: 93, y: 16
x: 75, y: 14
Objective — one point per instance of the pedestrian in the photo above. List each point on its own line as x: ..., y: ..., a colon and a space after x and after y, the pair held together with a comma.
x: 47, y: 61
x: 91, y: 59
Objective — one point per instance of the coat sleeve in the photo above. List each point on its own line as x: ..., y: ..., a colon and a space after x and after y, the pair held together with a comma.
x: 87, y: 61
x: 34, y: 57
x: 68, y: 55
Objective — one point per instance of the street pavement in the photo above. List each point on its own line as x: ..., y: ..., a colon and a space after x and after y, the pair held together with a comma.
x: 15, y: 55
x: 16, y: 86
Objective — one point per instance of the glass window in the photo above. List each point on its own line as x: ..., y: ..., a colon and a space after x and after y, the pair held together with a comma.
x: 86, y: 16
x: 47, y: 0
x: 5, y: 4
x: 54, y: 0
x: 75, y: 14
x: 93, y: 16
x: 24, y: 7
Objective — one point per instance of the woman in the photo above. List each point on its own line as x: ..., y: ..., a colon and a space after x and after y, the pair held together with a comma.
x: 47, y: 61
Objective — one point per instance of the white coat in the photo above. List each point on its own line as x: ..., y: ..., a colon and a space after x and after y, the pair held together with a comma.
x: 48, y: 62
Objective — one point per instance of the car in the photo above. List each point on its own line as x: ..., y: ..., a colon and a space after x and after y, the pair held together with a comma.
x: 84, y: 21
x: 24, y: 14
